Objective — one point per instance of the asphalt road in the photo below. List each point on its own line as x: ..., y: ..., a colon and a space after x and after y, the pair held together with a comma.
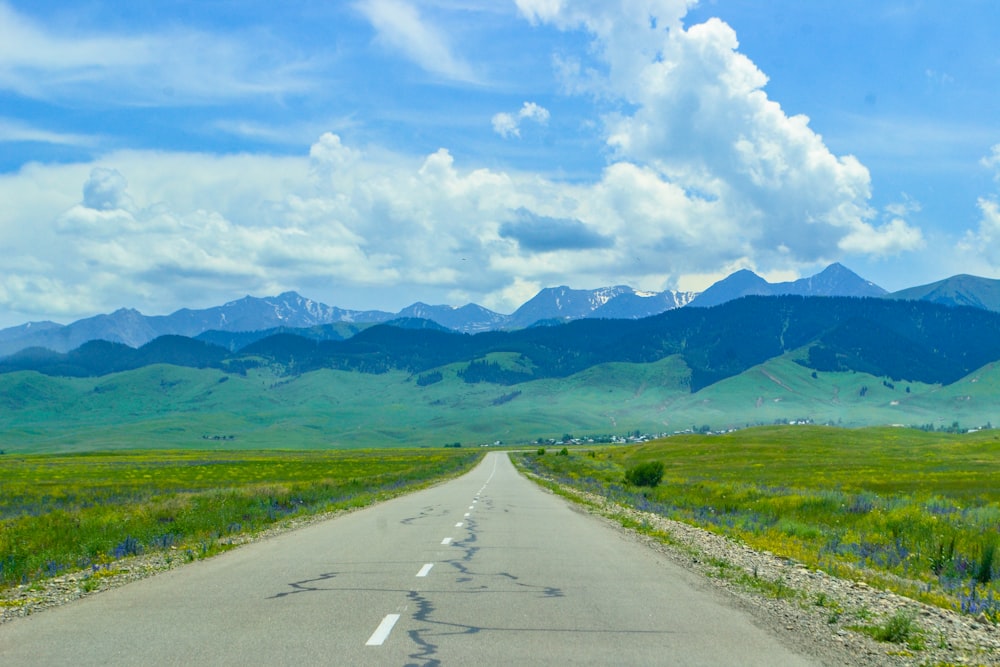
x: 484, y: 570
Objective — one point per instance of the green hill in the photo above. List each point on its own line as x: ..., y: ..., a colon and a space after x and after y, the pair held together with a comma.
x: 169, y: 406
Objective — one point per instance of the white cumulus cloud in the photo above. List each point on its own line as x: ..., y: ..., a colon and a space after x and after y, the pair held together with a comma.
x: 509, y: 124
x: 698, y: 118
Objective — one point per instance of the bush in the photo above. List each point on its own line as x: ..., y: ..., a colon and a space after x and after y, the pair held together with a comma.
x: 900, y: 628
x: 541, y: 451
x: 984, y: 570
x: 645, y: 474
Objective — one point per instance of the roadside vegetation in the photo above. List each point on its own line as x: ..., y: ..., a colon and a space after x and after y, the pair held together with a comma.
x: 85, y: 511
x: 902, y: 509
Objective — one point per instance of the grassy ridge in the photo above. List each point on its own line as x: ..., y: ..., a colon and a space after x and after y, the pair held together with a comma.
x: 918, y: 512
x: 172, y: 407
x: 79, y: 511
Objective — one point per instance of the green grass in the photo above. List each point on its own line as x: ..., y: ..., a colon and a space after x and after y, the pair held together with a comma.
x: 903, y: 508
x: 66, y: 512
x: 900, y: 628
x: 172, y: 407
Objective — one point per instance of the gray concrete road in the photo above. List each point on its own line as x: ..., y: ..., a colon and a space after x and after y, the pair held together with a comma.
x: 484, y: 570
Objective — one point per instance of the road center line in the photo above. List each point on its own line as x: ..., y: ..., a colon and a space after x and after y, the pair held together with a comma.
x: 459, y: 524
x: 382, y: 631
x: 446, y: 540
x: 425, y: 570
x: 467, y: 514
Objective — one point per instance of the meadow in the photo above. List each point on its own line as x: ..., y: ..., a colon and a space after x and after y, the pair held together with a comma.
x: 903, y: 509
x: 84, y: 511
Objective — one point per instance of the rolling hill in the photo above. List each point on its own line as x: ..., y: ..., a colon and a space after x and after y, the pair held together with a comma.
x: 850, y: 361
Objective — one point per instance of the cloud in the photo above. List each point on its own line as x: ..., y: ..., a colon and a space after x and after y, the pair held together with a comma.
x: 105, y: 190
x: 983, y: 243
x: 400, y: 27
x: 173, y: 66
x: 509, y: 125
x: 12, y: 130
x: 992, y: 161
x: 696, y: 116
x: 538, y: 233
x: 891, y: 238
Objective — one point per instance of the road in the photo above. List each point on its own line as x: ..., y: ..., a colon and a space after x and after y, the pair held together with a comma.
x: 487, y: 569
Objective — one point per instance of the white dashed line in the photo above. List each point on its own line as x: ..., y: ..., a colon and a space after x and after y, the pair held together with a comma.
x: 382, y: 631
x: 467, y: 514
x: 425, y: 570
x: 446, y: 540
x: 459, y: 524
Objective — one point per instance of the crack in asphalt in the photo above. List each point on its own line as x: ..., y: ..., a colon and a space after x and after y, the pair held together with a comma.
x: 424, y: 514
x: 303, y: 587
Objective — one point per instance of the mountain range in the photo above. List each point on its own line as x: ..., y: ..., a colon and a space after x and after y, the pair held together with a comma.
x: 914, y: 341
x: 241, y: 322
x: 408, y: 382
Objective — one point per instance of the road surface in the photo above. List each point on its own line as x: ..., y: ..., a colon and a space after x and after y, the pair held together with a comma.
x: 487, y: 569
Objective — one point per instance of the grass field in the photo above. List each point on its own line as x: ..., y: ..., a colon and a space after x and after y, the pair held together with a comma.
x: 67, y: 512
x: 913, y: 511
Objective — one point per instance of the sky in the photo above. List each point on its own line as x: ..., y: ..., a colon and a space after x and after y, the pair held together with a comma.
x: 374, y: 153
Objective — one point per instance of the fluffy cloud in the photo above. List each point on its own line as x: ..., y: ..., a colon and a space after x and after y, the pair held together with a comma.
x: 984, y: 242
x: 106, y: 190
x: 509, y: 125
x: 159, y: 230
x: 702, y: 122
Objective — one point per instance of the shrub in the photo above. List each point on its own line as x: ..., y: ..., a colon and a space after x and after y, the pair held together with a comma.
x: 984, y: 571
x: 645, y: 474
x: 541, y: 451
x: 900, y: 628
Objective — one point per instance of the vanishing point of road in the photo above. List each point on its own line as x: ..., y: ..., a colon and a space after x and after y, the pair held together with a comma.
x: 487, y: 569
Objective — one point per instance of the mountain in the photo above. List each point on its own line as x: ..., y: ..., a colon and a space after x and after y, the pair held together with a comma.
x: 562, y: 303
x: 834, y: 280
x: 239, y: 323
x: 471, y: 318
x: 253, y: 314
x: 101, y: 357
x: 742, y: 283
x: 960, y: 290
x: 914, y: 341
x: 236, y: 340
x: 636, y: 305
x: 243, y: 321
x: 130, y: 327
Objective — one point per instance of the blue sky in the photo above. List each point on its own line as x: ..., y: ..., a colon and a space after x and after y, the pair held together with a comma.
x: 374, y: 153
